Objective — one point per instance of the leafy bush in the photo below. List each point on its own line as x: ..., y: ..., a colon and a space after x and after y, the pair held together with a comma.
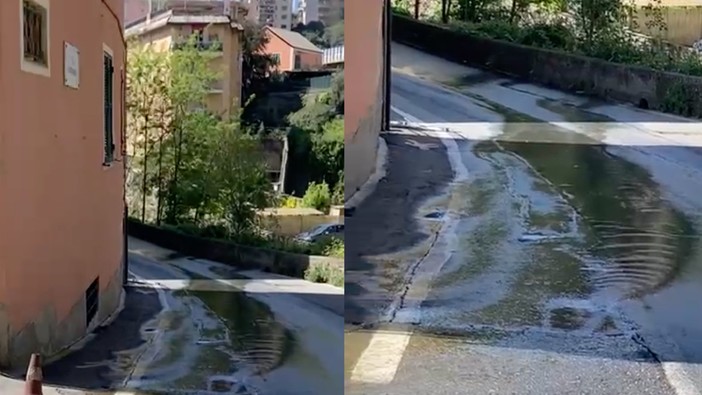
x: 614, y: 46
x: 548, y: 36
x: 325, y: 273
x: 291, y: 202
x: 338, y: 193
x: 317, y: 196
x: 328, y: 151
x: 332, y: 247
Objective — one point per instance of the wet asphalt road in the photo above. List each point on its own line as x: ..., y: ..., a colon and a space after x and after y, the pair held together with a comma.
x: 568, y: 256
x: 199, y: 327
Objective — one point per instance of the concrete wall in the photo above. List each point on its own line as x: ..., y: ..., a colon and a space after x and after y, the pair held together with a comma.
x: 291, y: 225
x: 684, y: 24
x: 308, y: 60
x: 244, y: 257
x: 61, y: 209
x: 278, y: 46
x: 636, y: 85
x: 364, y: 90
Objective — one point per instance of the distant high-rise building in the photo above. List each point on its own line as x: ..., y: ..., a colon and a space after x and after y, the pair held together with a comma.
x: 330, y: 12
x: 276, y: 13
x: 308, y: 11
x: 135, y: 10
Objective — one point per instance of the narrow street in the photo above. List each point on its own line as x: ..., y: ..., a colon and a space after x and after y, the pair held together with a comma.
x: 561, y: 258
x: 198, y: 327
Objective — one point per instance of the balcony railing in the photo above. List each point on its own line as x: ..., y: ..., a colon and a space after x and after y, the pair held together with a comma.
x: 334, y: 55
x: 206, y: 45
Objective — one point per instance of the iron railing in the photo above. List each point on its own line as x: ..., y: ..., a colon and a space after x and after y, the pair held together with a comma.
x: 333, y: 55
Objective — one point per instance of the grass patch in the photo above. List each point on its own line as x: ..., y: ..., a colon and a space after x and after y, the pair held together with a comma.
x: 325, y: 273
x: 331, y: 247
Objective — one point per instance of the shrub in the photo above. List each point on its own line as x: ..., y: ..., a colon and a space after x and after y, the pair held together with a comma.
x: 290, y: 202
x: 317, y: 196
x: 338, y: 194
x: 325, y: 273
x: 615, y: 46
x: 333, y: 247
x: 548, y: 36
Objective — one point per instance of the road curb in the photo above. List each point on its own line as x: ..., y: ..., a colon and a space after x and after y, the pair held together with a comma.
x: 379, y: 172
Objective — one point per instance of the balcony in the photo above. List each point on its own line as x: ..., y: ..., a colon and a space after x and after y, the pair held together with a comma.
x: 202, y: 45
x: 334, y: 55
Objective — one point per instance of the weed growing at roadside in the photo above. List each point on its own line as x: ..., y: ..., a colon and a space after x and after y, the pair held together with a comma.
x: 325, y: 273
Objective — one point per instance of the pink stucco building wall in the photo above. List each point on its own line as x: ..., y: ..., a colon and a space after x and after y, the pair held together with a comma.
x: 287, y: 51
x: 364, y: 84
x: 61, y: 207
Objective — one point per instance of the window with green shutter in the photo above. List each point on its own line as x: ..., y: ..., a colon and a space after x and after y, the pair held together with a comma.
x: 109, y: 145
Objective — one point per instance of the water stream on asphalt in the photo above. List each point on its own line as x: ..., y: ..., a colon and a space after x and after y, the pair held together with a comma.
x: 214, y: 338
x: 556, y: 231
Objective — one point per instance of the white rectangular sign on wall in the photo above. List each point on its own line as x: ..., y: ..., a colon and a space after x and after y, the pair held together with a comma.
x: 71, y: 66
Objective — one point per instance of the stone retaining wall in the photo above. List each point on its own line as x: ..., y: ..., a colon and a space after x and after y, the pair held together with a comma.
x: 662, y: 91
x: 244, y: 257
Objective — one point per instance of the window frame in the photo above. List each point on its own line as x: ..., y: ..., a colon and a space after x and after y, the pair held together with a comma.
x: 277, y: 57
x: 27, y: 65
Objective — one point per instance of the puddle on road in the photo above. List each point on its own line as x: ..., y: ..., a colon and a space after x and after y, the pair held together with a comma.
x: 262, y: 343
x: 637, y: 240
x: 221, y: 342
x: 623, y: 239
x: 550, y: 273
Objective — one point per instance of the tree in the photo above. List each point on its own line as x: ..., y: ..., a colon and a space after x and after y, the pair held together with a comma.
x: 445, y: 9
x: 320, y: 108
x: 147, y: 107
x: 190, y: 80
x: 313, y: 31
x: 203, y: 170
x: 328, y: 151
x: 243, y: 184
x: 319, y: 132
x: 258, y: 67
x: 334, y: 35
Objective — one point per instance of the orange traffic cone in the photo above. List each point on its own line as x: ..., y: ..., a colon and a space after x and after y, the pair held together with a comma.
x: 32, y: 383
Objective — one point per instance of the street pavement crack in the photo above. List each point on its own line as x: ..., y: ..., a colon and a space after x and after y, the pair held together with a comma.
x: 412, y: 274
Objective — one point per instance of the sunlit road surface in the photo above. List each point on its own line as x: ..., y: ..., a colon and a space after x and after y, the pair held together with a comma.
x: 568, y: 257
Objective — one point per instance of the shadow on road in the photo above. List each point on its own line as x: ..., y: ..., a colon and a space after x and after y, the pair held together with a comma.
x: 385, y: 223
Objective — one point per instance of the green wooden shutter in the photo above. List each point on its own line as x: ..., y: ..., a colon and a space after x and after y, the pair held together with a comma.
x: 108, y: 108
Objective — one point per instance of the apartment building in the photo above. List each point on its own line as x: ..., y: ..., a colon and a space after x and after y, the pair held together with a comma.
x: 135, y: 10
x: 166, y: 30
x: 276, y: 13
x: 61, y: 172
x: 308, y: 11
x: 330, y: 12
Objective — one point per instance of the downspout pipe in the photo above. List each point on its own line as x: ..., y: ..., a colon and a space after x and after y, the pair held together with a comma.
x: 387, y: 63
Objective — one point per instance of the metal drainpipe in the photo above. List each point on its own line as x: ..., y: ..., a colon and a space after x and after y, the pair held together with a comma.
x: 387, y: 63
x: 123, y: 148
